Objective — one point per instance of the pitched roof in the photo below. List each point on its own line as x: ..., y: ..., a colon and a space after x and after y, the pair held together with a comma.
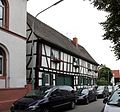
x: 52, y: 36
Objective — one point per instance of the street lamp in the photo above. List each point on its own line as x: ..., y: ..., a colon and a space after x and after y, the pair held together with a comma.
x: 33, y: 24
x: 48, y: 8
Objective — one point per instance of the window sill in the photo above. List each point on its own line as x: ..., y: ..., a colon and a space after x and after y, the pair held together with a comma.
x: 2, y: 77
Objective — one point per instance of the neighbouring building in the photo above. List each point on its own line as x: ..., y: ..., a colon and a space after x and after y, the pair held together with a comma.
x: 12, y: 51
x: 53, y: 59
x: 116, y: 75
x: 12, y: 43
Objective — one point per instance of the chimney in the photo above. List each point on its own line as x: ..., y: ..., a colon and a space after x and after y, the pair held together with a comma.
x: 75, y: 41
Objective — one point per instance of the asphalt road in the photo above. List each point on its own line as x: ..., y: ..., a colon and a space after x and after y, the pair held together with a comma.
x: 95, y: 106
x: 91, y: 107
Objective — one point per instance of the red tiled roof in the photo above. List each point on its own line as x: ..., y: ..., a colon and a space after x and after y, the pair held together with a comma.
x: 116, y: 73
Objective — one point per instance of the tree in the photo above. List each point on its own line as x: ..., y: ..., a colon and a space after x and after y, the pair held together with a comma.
x: 102, y: 81
x: 105, y: 75
x: 112, y: 23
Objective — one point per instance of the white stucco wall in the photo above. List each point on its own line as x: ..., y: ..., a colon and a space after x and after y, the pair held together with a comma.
x: 16, y: 59
x: 2, y: 83
x: 17, y: 16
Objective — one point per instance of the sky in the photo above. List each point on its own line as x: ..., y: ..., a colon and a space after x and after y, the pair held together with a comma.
x: 78, y: 18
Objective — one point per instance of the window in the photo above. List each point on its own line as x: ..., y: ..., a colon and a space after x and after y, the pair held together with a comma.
x: 47, y: 79
x: 55, y: 53
x: 4, y: 13
x: 55, y: 56
x: 1, y: 12
x: 2, y: 62
x: 1, y: 65
x: 88, y: 65
x: 75, y: 62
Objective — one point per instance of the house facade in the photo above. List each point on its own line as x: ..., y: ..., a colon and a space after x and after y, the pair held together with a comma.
x: 53, y: 59
x: 12, y: 40
x: 116, y: 75
x: 12, y: 51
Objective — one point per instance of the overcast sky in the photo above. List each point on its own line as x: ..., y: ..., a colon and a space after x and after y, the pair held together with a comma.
x: 77, y: 18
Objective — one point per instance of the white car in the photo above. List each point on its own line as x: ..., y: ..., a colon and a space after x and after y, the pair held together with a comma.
x: 112, y: 104
x: 111, y: 89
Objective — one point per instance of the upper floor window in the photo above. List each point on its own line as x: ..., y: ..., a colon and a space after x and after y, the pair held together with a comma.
x: 4, y: 13
x: 75, y: 62
x: 1, y: 12
x: 88, y: 65
x: 55, y: 56
x: 55, y: 53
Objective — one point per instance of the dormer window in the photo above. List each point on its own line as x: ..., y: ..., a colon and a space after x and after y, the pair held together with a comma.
x: 75, y: 62
x: 4, y: 13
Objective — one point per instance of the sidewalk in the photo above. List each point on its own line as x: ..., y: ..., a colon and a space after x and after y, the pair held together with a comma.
x: 6, y: 111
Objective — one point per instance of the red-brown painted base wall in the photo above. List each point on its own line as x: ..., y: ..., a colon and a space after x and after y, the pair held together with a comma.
x: 9, y: 95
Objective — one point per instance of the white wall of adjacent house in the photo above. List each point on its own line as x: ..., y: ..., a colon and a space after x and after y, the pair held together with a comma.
x: 16, y: 60
x: 17, y: 16
x: 15, y: 46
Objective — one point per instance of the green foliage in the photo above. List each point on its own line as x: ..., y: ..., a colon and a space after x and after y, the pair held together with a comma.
x: 105, y: 75
x: 112, y: 23
x: 102, y: 81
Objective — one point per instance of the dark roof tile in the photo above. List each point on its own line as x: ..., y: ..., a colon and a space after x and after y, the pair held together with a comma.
x: 52, y: 36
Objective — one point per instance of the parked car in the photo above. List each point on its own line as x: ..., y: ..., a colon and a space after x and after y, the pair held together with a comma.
x: 85, y: 95
x: 45, y: 99
x: 112, y: 104
x: 111, y: 89
x: 116, y: 87
x: 102, y: 91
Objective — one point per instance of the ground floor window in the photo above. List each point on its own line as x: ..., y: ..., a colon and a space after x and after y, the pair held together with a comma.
x: 89, y: 81
x: 2, y: 62
x: 80, y: 80
x: 85, y: 80
x: 47, y: 79
x: 1, y: 65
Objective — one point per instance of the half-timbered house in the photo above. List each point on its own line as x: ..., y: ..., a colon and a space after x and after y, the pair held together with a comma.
x: 54, y: 59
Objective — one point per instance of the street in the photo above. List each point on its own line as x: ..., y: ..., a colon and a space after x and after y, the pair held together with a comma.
x: 91, y: 107
x: 95, y: 106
